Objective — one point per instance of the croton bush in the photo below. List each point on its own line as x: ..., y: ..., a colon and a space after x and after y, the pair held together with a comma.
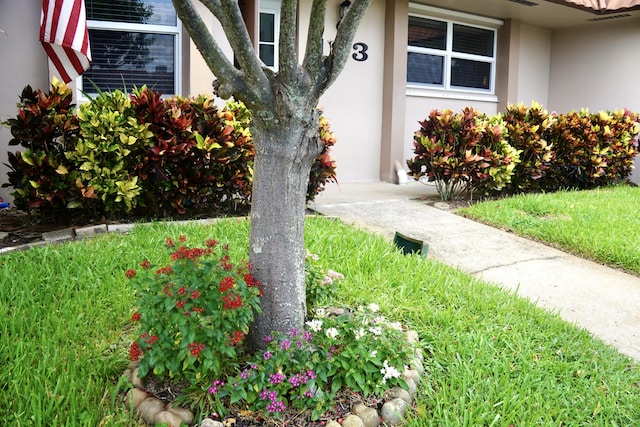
x: 525, y: 149
x: 463, y: 152
x: 136, y: 155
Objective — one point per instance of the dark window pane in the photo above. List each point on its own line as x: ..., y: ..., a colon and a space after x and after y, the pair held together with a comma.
x: 470, y: 74
x: 126, y: 59
x: 476, y: 41
x: 267, y: 54
x: 157, y: 12
x: 427, y: 33
x: 425, y: 69
x: 267, y: 27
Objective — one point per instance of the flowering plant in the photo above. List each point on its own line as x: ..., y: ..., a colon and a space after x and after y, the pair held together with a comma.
x: 193, y: 313
x: 361, y: 351
x: 320, y: 284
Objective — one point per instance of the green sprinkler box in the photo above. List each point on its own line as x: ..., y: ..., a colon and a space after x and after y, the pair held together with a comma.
x: 409, y: 245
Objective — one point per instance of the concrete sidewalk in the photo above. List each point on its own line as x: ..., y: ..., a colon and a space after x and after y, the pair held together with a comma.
x: 605, y: 301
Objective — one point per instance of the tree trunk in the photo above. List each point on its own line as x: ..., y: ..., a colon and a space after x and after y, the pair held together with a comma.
x: 284, y: 154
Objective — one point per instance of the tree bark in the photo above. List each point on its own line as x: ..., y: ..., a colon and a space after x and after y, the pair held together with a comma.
x: 284, y: 155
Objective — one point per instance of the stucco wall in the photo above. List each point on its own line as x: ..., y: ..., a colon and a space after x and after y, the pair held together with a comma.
x: 23, y: 62
x: 353, y: 104
x: 534, y: 65
x: 596, y: 67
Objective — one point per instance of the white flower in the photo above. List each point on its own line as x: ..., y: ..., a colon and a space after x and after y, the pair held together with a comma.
x: 373, y: 354
x: 374, y: 307
x: 315, y: 325
x: 332, y: 333
x: 327, y: 280
x: 380, y: 320
x: 321, y: 312
x: 360, y: 333
x: 376, y: 330
x: 396, y: 325
x: 388, y: 372
x: 335, y: 275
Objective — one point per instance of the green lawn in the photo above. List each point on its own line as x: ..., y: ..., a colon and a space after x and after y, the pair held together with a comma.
x: 601, y: 224
x: 491, y: 357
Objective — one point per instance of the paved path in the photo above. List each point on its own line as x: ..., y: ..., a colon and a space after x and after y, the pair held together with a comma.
x: 603, y: 300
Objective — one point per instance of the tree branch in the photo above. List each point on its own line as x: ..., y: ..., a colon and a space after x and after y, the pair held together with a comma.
x: 337, y: 59
x: 288, y: 56
x: 216, y: 60
x: 313, y: 52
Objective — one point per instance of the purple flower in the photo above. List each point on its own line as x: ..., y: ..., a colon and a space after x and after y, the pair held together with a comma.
x: 217, y: 384
x: 267, y: 355
x: 267, y: 339
x: 268, y: 395
x: 309, y: 393
x: 308, y: 336
x: 293, y: 332
x: 311, y: 374
x: 285, y: 345
x: 276, y: 378
x: 277, y: 406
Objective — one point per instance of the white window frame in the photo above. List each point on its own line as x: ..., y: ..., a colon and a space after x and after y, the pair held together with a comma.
x: 175, y: 30
x: 271, y: 7
x: 451, y: 18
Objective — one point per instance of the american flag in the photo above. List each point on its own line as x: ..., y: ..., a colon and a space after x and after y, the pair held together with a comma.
x: 64, y: 36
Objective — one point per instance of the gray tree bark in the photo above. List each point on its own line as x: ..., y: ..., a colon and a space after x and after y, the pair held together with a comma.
x: 285, y: 135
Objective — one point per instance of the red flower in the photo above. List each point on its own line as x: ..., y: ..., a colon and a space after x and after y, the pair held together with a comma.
x: 182, y: 238
x: 195, y: 348
x: 182, y: 290
x: 195, y: 294
x: 145, y: 264
x: 237, y: 337
x: 130, y: 274
x: 135, y: 352
x: 249, y: 279
x: 165, y: 270
x: 136, y: 316
x: 211, y: 243
x: 180, y: 304
x: 169, y: 242
x: 231, y: 303
x: 226, y: 283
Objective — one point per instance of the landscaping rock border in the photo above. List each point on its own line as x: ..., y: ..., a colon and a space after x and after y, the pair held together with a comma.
x: 392, y: 413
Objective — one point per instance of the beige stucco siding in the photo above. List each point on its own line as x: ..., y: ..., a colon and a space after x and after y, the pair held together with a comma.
x: 596, y: 67
x: 354, y: 103
x: 23, y: 63
x: 534, y: 65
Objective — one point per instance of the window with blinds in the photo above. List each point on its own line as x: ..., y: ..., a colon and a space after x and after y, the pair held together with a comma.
x: 268, y: 35
x: 133, y: 43
x: 448, y: 55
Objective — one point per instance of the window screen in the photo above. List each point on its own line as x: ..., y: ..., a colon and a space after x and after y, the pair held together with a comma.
x: 133, y: 43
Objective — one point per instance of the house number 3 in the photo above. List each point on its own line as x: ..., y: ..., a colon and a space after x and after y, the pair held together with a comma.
x: 361, y: 54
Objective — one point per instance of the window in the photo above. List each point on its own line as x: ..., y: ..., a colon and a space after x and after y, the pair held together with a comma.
x: 450, y: 55
x: 269, y: 29
x: 133, y: 43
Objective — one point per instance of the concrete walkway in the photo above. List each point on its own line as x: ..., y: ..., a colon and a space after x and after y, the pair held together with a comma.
x: 605, y: 301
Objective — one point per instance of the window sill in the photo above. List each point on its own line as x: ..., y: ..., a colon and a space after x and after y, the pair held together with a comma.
x: 442, y: 94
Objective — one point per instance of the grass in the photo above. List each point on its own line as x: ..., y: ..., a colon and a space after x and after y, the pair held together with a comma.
x: 492, y: 358
x: 602, y: 224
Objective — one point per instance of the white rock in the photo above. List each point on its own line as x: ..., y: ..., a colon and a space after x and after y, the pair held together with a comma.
x: 167, y: 417
x: 412, y: 388
x: 417, y: 365
x: 149, y: 408
x: 352, y: 421
x: 394, y: 411
x: 411, y: 336
x: 185, y: 415
x: 411, y: 374
x: 208, y: 422
x: 135, y: 397
x: 419, y: 354
x: 400, y: 393
x: 333, y: 424
x: 369, y: 416
x: 136, y: 380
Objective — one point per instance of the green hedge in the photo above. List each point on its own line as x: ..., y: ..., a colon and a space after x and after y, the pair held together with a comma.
x: 136, y: 155
x: 525, y: 149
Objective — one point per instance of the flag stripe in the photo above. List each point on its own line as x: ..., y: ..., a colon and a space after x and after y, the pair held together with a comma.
x: 64, y: 36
